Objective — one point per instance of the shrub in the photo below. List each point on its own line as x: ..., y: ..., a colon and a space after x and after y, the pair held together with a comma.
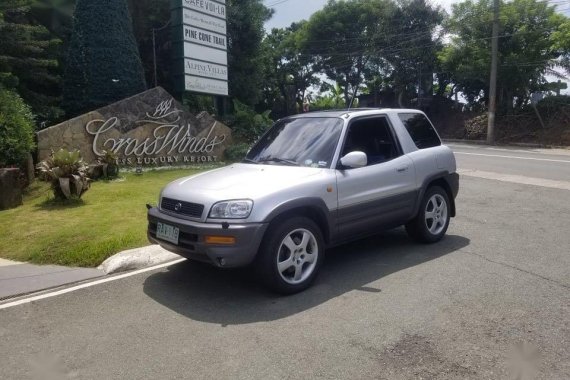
x: 16, y: 129
x: 108, y: 161
x: 246, y: 124
x: 554, y: 101
x: 236, y: 152
x: 552, y: 106
x: 67, y: 173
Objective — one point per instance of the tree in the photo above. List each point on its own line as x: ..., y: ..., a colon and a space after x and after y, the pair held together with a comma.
x: 245, y: 32
x: 333, y: 98
x: 528, y: 49
x: 28, y: 59
x: 409, y: 46
x: 103, y: 62
x: 289, y: 71
x: 341, y: 37
x: 16, y: 129
x: 148, y: 15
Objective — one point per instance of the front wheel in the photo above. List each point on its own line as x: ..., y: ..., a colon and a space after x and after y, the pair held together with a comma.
x: 291, y: 254
x: 432, y: 221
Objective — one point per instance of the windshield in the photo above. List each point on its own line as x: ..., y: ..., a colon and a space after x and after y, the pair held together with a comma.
x: 309, y: 141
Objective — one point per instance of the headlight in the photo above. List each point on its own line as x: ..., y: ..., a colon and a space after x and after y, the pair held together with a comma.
x: 238, y: 209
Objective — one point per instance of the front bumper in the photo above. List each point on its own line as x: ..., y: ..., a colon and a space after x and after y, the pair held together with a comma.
x: 191, y: 242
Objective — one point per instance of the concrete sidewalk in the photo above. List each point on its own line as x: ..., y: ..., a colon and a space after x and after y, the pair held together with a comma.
x: 22, y: 278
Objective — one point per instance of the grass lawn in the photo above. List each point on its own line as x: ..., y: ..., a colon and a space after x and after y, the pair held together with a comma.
x: 109, y: 218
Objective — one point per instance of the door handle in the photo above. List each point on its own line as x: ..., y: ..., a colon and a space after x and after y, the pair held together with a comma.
x: 402, y: 169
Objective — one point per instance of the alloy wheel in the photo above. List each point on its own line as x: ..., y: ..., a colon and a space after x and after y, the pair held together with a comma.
x: 297, y: 256
x: 436, y: 214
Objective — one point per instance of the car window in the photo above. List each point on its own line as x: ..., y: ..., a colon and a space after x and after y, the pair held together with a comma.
x: 309, y: 141
x: 372, y: 136
x: 420, y: 129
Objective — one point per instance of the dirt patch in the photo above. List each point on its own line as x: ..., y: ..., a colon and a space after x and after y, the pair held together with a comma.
x: 548, y: 124
x: 416, y: 357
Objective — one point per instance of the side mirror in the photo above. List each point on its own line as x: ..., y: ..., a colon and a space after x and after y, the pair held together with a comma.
x: 354, y: 160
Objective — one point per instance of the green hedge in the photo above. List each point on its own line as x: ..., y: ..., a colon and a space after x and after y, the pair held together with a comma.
x: 16, y: 129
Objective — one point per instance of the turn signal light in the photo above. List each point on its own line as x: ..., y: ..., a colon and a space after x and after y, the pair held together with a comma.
x: 226, y: 240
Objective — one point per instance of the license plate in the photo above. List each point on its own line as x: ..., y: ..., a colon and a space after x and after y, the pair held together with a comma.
x: 167, y: 232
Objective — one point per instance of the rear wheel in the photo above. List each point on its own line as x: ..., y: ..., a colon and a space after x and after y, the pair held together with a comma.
x: 290, y: 255
x: 432, y: 221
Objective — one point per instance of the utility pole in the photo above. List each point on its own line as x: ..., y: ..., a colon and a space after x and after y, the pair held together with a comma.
x: 154, y: 30
x: 420, y: 87
x: 493, y: 84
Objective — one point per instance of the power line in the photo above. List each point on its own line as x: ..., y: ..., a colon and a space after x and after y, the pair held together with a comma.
x: 392, y: 50
x: 276, y: 3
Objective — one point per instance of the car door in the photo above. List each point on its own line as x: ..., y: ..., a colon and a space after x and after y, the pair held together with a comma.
x: 381, y: 194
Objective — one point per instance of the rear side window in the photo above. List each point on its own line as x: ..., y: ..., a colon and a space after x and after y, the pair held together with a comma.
x: 372, y: 136
x: 420, y: 129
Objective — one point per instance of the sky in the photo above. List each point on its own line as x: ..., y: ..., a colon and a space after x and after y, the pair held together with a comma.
x: 288, y: 11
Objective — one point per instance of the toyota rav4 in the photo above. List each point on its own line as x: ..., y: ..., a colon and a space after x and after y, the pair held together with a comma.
x: 311, y: 182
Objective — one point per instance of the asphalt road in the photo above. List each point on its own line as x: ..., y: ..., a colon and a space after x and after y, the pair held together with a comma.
x: 489, y: 301
x: 536, y: 163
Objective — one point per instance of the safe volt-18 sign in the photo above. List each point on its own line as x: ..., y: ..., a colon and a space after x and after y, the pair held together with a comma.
x: 200, y: 41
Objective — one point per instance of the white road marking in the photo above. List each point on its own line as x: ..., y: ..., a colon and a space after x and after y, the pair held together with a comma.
x: 516, y: 179
x: 488, y: 148
x: 86, y: 285
x: 514, y: 157
x: 535, y: 151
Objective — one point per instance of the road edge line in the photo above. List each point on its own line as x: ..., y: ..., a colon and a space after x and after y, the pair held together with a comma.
x: 86, y: 285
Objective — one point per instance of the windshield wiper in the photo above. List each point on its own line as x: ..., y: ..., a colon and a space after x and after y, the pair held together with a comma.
x: 250, y: 161
x: 280, y: 160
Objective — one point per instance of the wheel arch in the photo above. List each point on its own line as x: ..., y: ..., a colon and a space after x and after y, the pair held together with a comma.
x: 312, y: 208
x: 447, y: 181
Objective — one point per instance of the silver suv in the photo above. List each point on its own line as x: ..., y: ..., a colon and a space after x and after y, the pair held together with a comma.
x: 313, y: 181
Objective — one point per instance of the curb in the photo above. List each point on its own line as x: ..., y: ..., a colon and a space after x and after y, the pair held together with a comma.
x: 137, y: 258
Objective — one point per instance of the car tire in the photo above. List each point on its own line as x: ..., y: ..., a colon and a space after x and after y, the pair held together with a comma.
x: 432, y: 220
x: 290, y: 255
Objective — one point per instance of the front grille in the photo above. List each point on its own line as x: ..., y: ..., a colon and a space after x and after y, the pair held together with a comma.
x: 193, y: 210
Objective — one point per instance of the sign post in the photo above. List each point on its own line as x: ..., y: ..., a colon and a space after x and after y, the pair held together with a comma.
x: 200, y: 44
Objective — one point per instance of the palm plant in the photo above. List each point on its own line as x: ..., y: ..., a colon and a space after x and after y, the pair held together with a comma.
x: 108, y: 161
x: 67, y: 173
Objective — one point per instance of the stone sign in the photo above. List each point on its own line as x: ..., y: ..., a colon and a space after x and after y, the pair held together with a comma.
x: 148, y: 129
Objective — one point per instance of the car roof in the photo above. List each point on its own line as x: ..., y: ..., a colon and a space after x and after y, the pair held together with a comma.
x: 349, y: 113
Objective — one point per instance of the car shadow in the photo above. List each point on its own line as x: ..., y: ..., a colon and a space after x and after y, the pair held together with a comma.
x: 229, y: 297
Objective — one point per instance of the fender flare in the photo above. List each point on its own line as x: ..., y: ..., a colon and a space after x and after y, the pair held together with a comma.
x: 307, y: 204
x: 452, y: 186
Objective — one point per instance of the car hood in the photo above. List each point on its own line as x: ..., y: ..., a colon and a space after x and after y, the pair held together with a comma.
x: 239, y: 181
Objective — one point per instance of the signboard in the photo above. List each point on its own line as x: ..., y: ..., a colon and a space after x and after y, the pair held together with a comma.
x: 204, y: 37
x: 200, y: 31
x: 149, y: 129
x: 204, y: 54
x: 215, y: 8
x: 206, y: 85
x: 204, y: 69
x: 200, y: 20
